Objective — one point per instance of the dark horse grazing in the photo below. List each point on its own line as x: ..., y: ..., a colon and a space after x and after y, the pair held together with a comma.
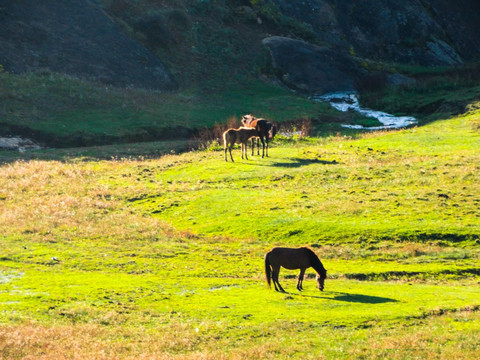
x: 266, y: 132
x: 298, y: 258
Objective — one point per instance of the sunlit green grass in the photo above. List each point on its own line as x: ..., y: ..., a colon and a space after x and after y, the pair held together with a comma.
x: 163, y: 257
x: 149, y: 299
x: 416, y: 184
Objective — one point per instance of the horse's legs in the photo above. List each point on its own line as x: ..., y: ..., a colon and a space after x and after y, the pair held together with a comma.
x: 263, y: 147
x: 258, y: 146
x: 300, y: 279
x: 275, y: 274
x: 230, y: 150
x: 275, y: 269
x: 274, y: 283
x: 226, y: 148
x: 244, y: 150
x: 253, y: 145
x: 266, y: 151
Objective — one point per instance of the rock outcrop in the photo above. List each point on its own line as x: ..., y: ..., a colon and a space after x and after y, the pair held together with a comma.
x: 79, y: 38
x: 424, y: 32
x: 421, y: 32
x: 309, y: 68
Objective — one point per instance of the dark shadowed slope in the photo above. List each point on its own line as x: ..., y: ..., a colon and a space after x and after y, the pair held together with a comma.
x: 76, y: 38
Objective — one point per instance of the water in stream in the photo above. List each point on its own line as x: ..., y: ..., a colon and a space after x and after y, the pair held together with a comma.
x: 347, y: 101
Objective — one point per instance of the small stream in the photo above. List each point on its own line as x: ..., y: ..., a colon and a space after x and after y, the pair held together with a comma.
x: 347, y: 101
x: 342, y: 101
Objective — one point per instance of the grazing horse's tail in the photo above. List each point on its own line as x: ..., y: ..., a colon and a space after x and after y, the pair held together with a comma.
x: 268, y: 271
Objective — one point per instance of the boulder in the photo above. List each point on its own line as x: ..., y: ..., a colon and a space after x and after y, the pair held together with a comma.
x: 310, y: 68
x: 400, y: 80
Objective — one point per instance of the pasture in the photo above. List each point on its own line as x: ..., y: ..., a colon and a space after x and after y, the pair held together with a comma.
x: 162, y: 258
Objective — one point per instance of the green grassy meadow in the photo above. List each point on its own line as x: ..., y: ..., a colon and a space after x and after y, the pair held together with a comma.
x: 62, y: 111
x: 162, y: 257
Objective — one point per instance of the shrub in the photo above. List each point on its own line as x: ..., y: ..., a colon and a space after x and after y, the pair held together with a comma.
x: 208, y: 138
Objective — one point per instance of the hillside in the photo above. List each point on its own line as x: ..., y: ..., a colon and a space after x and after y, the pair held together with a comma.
x: 201, y: 40
x: 75, y: 38
x: 168, y: 65
x: 79, y: 38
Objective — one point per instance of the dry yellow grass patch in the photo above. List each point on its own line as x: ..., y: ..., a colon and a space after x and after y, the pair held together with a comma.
x: 39, y: 197
x: 92, y: 342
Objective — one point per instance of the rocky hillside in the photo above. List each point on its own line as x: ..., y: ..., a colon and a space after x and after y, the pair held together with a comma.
x: 315, y: 45
x: 425, y: 32
x: 76, y: 38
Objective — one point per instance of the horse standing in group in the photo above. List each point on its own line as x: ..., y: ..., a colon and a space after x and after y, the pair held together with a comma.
x: 293, y: 258
x: 239, y: 136
x: 265, y: 129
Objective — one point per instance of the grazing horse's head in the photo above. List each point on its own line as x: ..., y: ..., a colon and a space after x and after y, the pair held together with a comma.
x: 321, y: 279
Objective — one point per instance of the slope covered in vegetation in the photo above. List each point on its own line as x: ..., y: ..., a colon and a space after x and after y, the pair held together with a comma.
x: 214, y: 52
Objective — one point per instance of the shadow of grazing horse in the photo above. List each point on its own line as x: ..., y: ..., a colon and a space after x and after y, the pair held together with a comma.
x: 265, y: 129
x: 293, y: 258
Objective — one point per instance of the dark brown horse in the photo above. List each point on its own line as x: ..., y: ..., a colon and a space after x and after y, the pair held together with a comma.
x: 265, y: 129
x: 296, y: 258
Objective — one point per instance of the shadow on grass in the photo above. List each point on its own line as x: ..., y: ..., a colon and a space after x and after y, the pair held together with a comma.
x: 131, y: 151
x: 364, y: 299
x: 354, y: 298
x: 298, y: 162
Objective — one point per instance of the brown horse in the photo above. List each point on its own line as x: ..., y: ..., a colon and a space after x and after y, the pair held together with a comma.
x: 239, y: 136
x: 266, y: 132
x: 293, y: 258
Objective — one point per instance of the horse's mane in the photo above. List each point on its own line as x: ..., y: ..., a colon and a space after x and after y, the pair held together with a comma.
x: 315, y: 261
